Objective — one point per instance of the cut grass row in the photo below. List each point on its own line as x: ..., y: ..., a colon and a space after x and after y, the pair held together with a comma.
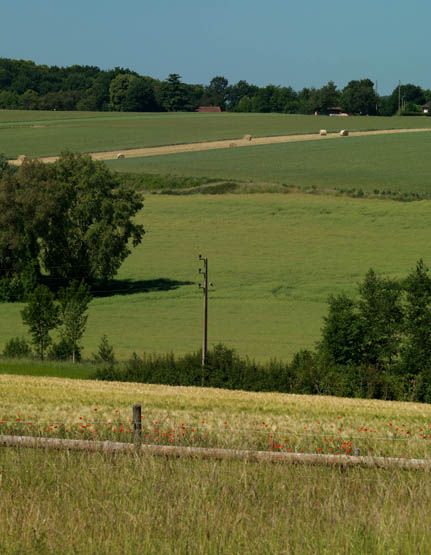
x: 397, y: 163
x: 36, y: 133
x: 274, y: 259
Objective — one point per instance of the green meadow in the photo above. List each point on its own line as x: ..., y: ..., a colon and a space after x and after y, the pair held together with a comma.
x: 39, y: 133
x: 398, y: 163
x: 273, y: 259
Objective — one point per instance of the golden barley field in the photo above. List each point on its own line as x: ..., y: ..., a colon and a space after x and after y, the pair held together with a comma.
x: 56, y: 407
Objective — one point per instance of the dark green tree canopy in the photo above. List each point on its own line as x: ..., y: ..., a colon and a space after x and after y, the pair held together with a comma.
x: 69, y: 220
x: 216, y: 92
x: 417, y: 347
x: 26, y: 85
x: 359, y: 97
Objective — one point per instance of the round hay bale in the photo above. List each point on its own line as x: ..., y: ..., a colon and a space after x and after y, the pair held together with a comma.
x: 247, y: 138
x: 120, y: 156
x: 22, y: 158
x: 323, y: 132
x: 344, y: 133
x: 232, y: 145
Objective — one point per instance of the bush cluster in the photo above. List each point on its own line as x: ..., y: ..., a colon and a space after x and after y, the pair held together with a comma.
x: 308, y: 373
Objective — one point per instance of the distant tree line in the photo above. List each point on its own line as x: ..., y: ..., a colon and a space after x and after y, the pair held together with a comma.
x: 26, y: 85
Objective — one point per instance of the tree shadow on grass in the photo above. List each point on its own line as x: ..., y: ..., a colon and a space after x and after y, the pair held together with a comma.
x: 133, y: 286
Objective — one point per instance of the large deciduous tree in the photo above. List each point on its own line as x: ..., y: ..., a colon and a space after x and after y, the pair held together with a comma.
x: 216, y: 92
x: 359, y: 97
x: 69, y: 220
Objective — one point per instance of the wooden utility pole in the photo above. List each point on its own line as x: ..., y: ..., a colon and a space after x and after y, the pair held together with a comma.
x: 204, y: 286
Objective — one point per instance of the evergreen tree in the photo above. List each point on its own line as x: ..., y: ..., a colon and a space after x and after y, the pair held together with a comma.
x: 417, y: 350
x: 342, y: 333
x: 381, y: 317
x: 105, y: 353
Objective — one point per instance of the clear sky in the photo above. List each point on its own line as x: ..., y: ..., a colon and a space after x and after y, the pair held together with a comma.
x: 301, y: 43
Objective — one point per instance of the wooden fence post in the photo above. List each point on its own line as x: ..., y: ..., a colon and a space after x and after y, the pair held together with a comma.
x: 137, y: 427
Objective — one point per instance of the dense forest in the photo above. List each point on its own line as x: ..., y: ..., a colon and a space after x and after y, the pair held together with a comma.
x: 26, y: 85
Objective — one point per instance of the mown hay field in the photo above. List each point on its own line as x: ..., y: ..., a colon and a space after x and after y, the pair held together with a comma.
x: 397, y: 163
x: 273, y: 259
x: 37, y: 133
x: 95, y: 503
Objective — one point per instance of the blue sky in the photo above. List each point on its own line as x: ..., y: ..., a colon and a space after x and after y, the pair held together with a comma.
x: 302, y: 43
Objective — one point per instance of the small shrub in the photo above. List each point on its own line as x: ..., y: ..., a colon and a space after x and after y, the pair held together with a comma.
x: 63, y: 350
x: 17, y: 347
x: 105, y: 353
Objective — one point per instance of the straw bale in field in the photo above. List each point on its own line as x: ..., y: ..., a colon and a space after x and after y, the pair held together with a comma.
x: 231, y: 145
x: 344, y: 133
x: 22, y: 158
x: 323, y: 132
x: 247, y: 137
x: 120, y: 155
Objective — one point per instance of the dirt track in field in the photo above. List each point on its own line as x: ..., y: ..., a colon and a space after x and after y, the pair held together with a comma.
x: 230, y: 143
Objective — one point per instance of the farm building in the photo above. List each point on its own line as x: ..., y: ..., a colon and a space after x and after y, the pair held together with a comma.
x: 209, y: 109
x: 426, y: 108
x: 336, y: 111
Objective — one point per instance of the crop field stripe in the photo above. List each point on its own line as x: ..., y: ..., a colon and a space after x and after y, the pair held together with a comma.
x: 225, y: 144
x: 214, y: 453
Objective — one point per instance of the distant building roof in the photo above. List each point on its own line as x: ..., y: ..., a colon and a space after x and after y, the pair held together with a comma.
x: 427, y: 105
x: 210, y: 109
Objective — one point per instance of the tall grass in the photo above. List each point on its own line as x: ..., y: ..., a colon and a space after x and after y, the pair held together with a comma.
x: 93, y: 503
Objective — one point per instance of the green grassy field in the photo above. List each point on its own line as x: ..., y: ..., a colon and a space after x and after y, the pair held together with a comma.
x: 35, y: 133
x: 399, y: 163
x: 31, y: 367
x: 274, y: 259
x: 93, y: 503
